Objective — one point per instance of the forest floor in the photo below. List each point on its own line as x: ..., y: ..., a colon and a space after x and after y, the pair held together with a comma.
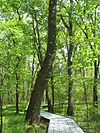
x: 13, y: 123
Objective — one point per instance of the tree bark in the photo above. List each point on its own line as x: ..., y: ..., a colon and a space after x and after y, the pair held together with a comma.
x: 24, y: 90
x: 70, y: 69
x: 70, y: 76
x: 95, y: 94
x: 85, y: 92
x: 32, y: 71
x: 1, y: 120
x: 33, y: 111
x: 17, y: 95
x: 52, y: 85
x: 8, y: 101
x: 48, y: 100
x: 40, y: 55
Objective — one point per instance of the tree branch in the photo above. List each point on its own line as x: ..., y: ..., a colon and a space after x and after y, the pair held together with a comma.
x: 65, y: 24
x: 82, y: 30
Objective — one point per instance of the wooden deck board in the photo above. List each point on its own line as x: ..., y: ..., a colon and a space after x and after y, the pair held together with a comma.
x: 60, y: 124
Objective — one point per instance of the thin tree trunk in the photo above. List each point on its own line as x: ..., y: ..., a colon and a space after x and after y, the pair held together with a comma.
x: 70, y: 69
x: 1, y: 120
x: 24, y: 92
x: 52, y: 85
x: 70, y: 57
x: 48, y: 100
x: 70, y: 88
x: 28, y: 94
x: 17, y: 95
x: 0, y: 113
x: 85, y: 93
x: 40, y: 55
x: 32, y: 71
x: 95, y: 94
x: 33, y: 111
x: 8, y: 101
x: 17, y: 86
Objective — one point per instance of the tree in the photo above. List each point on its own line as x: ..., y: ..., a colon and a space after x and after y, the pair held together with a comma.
x: 69, y: 28
x: 40, y: 57
x: 1, y: 120
x: 88, y: 23
x: 33, y: 111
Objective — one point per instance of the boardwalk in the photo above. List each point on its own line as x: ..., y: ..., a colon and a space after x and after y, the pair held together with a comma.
x: 60, y: 124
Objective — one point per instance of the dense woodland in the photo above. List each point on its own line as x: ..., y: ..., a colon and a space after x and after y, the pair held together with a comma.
x: 50, y: 60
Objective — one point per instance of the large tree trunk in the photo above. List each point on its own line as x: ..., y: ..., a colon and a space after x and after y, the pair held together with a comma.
x: 33, y: 111
x: 40, y: 58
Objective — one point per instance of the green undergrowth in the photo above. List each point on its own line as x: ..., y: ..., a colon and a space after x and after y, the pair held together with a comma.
x: 13, y: 123
x: 90, y: 124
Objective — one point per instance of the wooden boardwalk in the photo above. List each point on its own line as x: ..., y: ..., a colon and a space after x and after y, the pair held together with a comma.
x: 60, y: 124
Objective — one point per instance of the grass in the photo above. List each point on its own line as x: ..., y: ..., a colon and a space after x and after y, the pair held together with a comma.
x: 13, y: 123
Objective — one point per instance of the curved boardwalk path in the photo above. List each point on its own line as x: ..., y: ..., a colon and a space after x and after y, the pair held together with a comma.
x: 60, y: 124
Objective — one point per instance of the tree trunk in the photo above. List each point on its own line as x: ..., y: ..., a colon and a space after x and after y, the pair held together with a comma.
x: 8, y: 101
x: 32, y: 71
x: 70, y: 69
x: 70, y: 84
x: 95, y: 95
x: 40, y: 55
x: 70, y: 56
x: 52, y: 85
x: 24, y: 91
x: 17, y: 95
x: 48, y: 100
x: 85, y: 92
x: 40, y: 58
x: 1, y: 120
x: 33, y: 111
